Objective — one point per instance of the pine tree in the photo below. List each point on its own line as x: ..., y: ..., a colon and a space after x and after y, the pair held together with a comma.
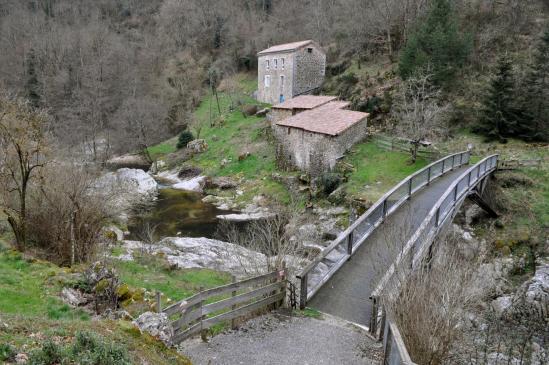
x: 436, y: 42
x: 535, y: 98
x: 32, y: 85
x: 499, y: 118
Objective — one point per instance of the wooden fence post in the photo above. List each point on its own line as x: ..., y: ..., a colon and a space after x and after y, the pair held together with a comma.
x: 303, y: 292
x: 203, y: 332
x: 284, y: 289
x: 158, y: 302
x: 233, y: 294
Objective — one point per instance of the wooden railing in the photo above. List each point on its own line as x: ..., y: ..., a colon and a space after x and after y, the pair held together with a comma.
x: 213, y: 306
x: 403, y: 145
x: 353, y: 237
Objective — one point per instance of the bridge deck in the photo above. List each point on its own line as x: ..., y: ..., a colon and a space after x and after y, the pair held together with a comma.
x: 347, y: 293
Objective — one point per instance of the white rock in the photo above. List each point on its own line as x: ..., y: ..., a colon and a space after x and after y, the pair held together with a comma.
x: 502, y: 304
x: 73, y: 297
x: 129, y: 186
x: 195, y: 184
x: 245, y: 217
x: 157, y: 325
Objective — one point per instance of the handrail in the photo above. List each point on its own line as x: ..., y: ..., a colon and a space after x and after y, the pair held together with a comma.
x: 438, y: 217
x: 383, y: 207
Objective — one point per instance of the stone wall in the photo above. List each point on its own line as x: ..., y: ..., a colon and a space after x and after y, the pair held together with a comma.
x: 276, y: 115
x: 272, y: 93
x: 314, y: 152
x: 309, y: 69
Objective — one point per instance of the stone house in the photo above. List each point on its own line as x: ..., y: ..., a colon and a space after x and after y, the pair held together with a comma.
x: 315, y: 139
x: 297, y: 105
x: 288, y: 70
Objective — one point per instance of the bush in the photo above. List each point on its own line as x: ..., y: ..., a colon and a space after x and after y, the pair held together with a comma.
x: 68, y: 193
x: 88, y: 349
x: 49, y: 354
x: 328, y: 182
x: 7, y: 352
x: 184, y: 138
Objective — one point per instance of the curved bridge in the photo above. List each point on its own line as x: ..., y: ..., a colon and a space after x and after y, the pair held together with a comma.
x: 346, y: 278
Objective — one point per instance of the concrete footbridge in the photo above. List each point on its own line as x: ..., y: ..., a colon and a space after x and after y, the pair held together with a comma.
x: 346, y: 279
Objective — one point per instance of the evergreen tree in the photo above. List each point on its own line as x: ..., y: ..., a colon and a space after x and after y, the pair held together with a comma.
x: 436, y: 42
x: 535, y: 98
x: 499, y: 118
x: 32, y: 85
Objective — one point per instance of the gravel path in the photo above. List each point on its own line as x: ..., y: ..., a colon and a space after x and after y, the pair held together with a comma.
x: 280, y: 339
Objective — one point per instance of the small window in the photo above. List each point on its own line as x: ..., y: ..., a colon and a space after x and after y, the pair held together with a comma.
x: 275, y: 61
x: 289, y: 130
x: 267, y: 80
x: 282, y: 63
x: 281, y: 83
x: 309, y: 50
x: 267, y: 65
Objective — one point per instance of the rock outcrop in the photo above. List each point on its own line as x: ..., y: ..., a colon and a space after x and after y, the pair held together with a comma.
x: 129, y: 187
x: 157, y: 325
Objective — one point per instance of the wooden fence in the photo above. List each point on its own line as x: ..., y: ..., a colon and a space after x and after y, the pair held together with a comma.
x: 403, y: 145
x: 228, y: 302
x: 517, y: 164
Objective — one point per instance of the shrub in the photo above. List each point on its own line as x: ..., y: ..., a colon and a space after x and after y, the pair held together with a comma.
x: 7, y: 352
x: 328, y: 182
x: 184, y: 138
x: 88, y: 349
x: 49, y: 354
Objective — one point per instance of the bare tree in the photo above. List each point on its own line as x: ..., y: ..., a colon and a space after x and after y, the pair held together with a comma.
x: 269, y: 236
x: 419, y: 112
x: 428, y: 304
x: 24, y: 147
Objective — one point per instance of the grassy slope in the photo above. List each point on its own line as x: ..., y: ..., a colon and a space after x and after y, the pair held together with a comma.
x: 29, y: 304
x: 377, y: 170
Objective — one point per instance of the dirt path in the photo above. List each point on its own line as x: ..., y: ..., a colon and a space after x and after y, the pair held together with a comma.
x: 280, y: 339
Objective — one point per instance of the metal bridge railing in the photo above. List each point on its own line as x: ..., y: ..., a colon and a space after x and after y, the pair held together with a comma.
x: 394, y: 349
x: 322, y: 268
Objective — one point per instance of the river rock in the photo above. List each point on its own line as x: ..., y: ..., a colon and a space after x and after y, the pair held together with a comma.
x: 129, y: 186
x: 222, y: 182
x: 195, y: 184
x: 131, y: 161
x: 157, y: 325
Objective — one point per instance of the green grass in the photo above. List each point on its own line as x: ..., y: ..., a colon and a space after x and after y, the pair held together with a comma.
x: 163, y: 148
x: 153, y: 275
x: 25, y: 289
x: 377, y: 170
x: 310, y: 312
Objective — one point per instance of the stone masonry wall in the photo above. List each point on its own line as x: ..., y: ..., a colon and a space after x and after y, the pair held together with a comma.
x: 314, y: 152
x: 309, y: 70
x: 272, y: 93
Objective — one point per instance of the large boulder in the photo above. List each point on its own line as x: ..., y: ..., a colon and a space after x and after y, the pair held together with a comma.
x: 157, y: 325
x: 195, y: 184
x: 131, y: 161
x: 129, y: 187
x: 197, y: 146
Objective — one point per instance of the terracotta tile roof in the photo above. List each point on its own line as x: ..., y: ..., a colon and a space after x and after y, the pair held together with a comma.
x: 285, y: 47
x: 330, y: 119
x: 305, y: 102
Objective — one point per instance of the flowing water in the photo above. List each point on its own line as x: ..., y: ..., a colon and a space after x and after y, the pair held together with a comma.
x: 177, y: 213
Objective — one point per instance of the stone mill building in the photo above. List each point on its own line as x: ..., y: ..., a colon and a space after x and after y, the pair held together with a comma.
x: 288, y: 70
x: 314, y: 132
